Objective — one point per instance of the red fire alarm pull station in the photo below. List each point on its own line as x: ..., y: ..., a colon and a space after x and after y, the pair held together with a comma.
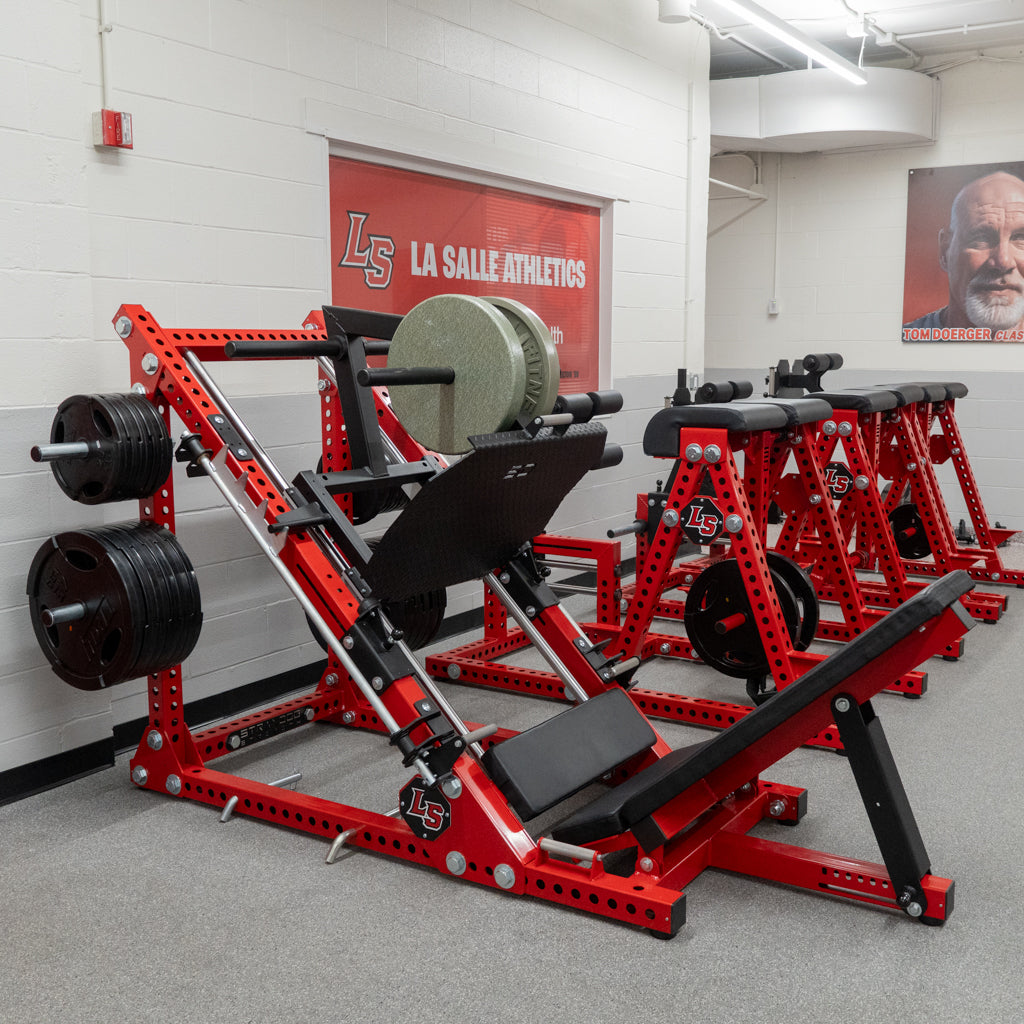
x: 112, y: 128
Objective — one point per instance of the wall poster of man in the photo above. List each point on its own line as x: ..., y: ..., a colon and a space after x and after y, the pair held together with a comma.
x: 964, y: 273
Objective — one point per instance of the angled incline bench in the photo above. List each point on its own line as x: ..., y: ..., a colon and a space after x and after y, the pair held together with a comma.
x: 659, y: 803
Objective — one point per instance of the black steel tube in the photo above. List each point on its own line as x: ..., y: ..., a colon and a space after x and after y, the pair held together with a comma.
x: 307, y: 349
x: 400, y: 376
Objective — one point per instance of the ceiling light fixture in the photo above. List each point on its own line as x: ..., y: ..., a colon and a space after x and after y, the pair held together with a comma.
x: 786, y: 33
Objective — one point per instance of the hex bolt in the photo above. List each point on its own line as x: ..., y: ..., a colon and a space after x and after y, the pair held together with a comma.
x: 348, y: 643
x: 150, y: 363
x: 455, y: 862
x: 154, y: 740
x: 348, y: 717
x: 646, y: 865
x: 139, y: 775
x: 712, y: 453
x: 322, y: 385
x: 623, y: 605
x: 452, y: 788
x: 734, y: 523
x: 504, y: 578
x: 914, y: 909
x: 123, y: 326
x: 670, y: 517
x: 861, y: 483
x: 829, y: 427
x: 138, y: 389
x: 580, y: 642
x: 504, y: 876
x: 688, y: 578
x: 693, y: 452
x: 650, y: 503
x: 842, y: 705
x: 911, y: 466
x: 845, y: 429
x: 454, y: 671
x: 954, y: 451
x: 173, y: 785
x: 332, y: 679
x: 995, y: 577
x: 665, y: 649
x: 243, y: 453
x: 530, y: 611
x: 815, y: 499
x: 234, y: 741
x: 777, y: 808
x: 310, y: 714
x: 377, y: 683
x: 747, y: 787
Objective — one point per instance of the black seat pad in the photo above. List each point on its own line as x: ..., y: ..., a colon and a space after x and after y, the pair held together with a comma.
x: 661, y: 438
x: 933, y: 392
x: 954, y: 389
x: 798, y: 410
x: 861, y: 399
x: 627, y: 805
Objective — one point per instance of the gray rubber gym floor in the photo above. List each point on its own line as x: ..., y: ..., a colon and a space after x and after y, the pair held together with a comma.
x: 122, y: 905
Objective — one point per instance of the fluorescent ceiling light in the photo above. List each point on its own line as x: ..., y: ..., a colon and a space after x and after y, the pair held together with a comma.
x: 673, y: 11
x: 786, y: 33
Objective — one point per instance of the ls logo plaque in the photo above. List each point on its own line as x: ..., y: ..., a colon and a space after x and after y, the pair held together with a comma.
x: 425, y: 809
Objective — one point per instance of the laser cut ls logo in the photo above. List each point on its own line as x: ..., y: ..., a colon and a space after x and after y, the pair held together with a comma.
x: 702, y: 520
x: 425, y: 809
x: 375, y: 257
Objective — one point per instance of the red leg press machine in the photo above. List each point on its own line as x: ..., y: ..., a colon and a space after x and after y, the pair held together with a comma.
x: 119, y: 603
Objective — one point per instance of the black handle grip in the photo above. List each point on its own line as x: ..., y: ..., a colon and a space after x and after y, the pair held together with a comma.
x: 822, y: 361
x: 306, y: 349
x: 585, y: 407
x: 723, y: 391
x: 402, y: 375
x: 611, y: 456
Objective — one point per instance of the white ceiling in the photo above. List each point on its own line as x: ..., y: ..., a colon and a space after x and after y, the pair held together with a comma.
x: 921, y: 30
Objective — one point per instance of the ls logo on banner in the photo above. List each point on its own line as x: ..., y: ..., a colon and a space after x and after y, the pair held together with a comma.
x: 425, y: 810
x: 376, y: 259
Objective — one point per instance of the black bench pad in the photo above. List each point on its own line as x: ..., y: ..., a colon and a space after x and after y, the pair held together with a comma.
x: 630, y: 803
x: 542, y: 766
x: 954, y: 389
x: 661, y: 438
x: 861, y: 400
x: 933, y: 391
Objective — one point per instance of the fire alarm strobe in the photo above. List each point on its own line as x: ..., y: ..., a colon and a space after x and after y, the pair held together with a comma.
x: 112, y: 128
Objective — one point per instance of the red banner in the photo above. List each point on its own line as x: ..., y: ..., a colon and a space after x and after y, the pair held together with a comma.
x: 399, y: 237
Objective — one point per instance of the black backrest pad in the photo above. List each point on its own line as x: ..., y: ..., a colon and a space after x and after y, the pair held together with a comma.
x: 474, y: 516
x: 626, y: 805
x: 661, y: 438
x: 544, y: 765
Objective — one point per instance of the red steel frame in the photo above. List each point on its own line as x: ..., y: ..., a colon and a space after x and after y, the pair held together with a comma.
x: 171, y: 759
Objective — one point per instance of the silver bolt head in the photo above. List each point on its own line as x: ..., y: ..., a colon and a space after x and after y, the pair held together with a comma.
x: 646, y: 864
x: 173, y: 785
x: 777, y: 808
x: 504, y: 578
x: 845, y: 429
x: 310, y: 714
x: 150, y: 363
x: 154, y: 740
x: 955, y: 451
x: 580, y: 641
x: 332, y: 679
x: 348, y: 643
x: 348, y: 717
x: 504, y: 876
x: 322, y: 385
x: 734, y: 523
x: 139, y: 389
x: 861, y: 483
x: 377, y: 683
x: 530, y: 611
x: 911, y: 466
x: 234, y: 742
x: 665, y: 649
x: 455, y: 862
x: 914, y: 909
x: 712, y: 453
x: 829, y: 427
x: 139, y: 775
x: 693, y: 452
x: 688, y: 578
x: 452, y: 788
x: 623, y: 605
x: 843, y: 705
x: 670, y: 517
x: 995, y: 577
x: 454, y: 671
x: 123, y: 326
x: 815, y: 499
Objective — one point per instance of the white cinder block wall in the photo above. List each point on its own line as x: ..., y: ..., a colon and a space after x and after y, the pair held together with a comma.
x: 840, y: 263
x: 218, y: 218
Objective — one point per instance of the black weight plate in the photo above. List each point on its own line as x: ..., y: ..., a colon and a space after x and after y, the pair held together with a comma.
x: 159, y: 448
x: 134, y: 438
x: 102, y: 648
x: 800, y: 583
x: 154, y: 583
x: 909, y: 532
x: 125, y: 437
x: 717, y: 594
x: 89, y: 481
x: 169, y: 565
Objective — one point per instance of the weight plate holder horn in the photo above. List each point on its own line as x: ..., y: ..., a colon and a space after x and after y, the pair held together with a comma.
x: 106, y: 448
x: 503, y: 361
x: 724, y: 629
x: 909, y: 531
x: 114, y: 603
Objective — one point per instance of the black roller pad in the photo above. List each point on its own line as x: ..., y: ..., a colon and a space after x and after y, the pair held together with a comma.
x: 474, y: 516
x: 632, y: 802
x: 548, y: 763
